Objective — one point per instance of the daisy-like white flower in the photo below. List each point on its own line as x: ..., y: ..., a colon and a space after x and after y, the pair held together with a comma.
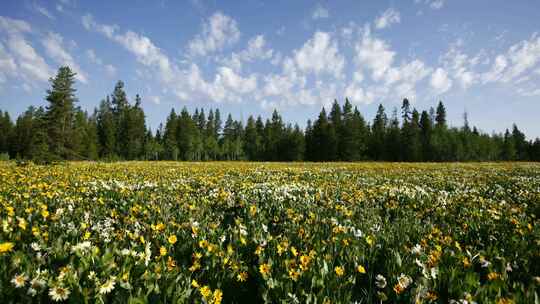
x: 108, y: 286
x: 19, y: 280
x: 380, y: 281
x: 59, y: 293
x: 417, y: 249
x: 35, y: 246
x: 37, y: 283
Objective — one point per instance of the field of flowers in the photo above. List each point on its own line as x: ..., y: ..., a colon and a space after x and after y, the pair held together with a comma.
x: 167, y: 232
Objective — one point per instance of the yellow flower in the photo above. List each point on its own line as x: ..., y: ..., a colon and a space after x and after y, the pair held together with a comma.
x: 171, y: 263
x: 361, y: 269
x: 294, y: 251
x: 294, y: 274
x: 194, y: 283
x: 22, y: 223
x: 206, y: 292
x: 6, y: 247
x: 493, y: 276
x: 369, y: 240
x: 304, y: 262
x: 218, y: 295
x: 340, y: 271
x: 242, y: 276
x: 162, y: 251
x: 172, y: 239
x: 264, y: 269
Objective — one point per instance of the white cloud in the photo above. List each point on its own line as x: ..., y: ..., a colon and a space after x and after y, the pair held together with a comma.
x: 320, y: 12
x: 188, y: 83
x: 440, y: 81
x: 14, y: 26
x: 7, y: 64
x: 217, y: 33
x: 53, y: 44
x: 436, y: 4
x: 389, y: 17
x: 30, y: 66
x: 522, y: 57
x: 155, y: 99
x: 110, y: 70
x: 320, y: 54
x: 433, y: 4
x: 461, y: 66
x: 91, y: 54
x: 373, y: 53
x: 89, y: 24
x: 146, y: 52
x: 42, y: 10
x: 256, y: 50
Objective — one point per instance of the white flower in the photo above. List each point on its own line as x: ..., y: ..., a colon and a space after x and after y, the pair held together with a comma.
x: 380, y: 281
x: 35, y: 246
x: 417, y: 249
x: 59, y: 293
x: 91, y: 275
x: 147, y: 254
x: 36, y: 283
x: 404, y: 281
x: 19, y: 280
x: 108, y: 286
x: 82, y: 247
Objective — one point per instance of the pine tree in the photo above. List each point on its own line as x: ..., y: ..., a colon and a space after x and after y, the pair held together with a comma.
x: 106, y: 130
x: 378, y: 134
x: 60, y: 113
x: 252, y: 140
x: 6, y: 130
x: 426, y: 131
x: 348, y: 149
x: 170, y: 137
x: 393, y: 145
x: 440, y: 118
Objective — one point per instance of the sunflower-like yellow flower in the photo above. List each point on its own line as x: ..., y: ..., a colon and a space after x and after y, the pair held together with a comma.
x: 264, y: 269
x: 6, y: 247
x: 242, y: 276
x: 172, y: 239
x: 339, y: 270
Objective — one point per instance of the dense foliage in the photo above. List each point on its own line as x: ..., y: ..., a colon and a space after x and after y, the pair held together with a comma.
x: 116, y: 130
x: 175, y: 232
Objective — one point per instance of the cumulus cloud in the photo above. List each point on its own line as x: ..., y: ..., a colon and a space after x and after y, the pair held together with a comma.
x: 389, y: 17
x: 19, y: 58
x: 218, y: 32
x: 440, y: 81
x: 53, y: 44
x: 320, y: 54
x: 374, y: 53
x: 186, y: 83
x: 320, y: 13
x: 522, y: 57
x: 256, y: 49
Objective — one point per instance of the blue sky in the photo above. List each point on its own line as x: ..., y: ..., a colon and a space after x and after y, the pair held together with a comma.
x: 248, y: 57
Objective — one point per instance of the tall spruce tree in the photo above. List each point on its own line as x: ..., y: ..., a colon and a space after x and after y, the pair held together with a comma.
x: 59, y: 116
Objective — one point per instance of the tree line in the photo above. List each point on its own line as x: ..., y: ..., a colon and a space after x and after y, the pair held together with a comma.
x: 116, y: 130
